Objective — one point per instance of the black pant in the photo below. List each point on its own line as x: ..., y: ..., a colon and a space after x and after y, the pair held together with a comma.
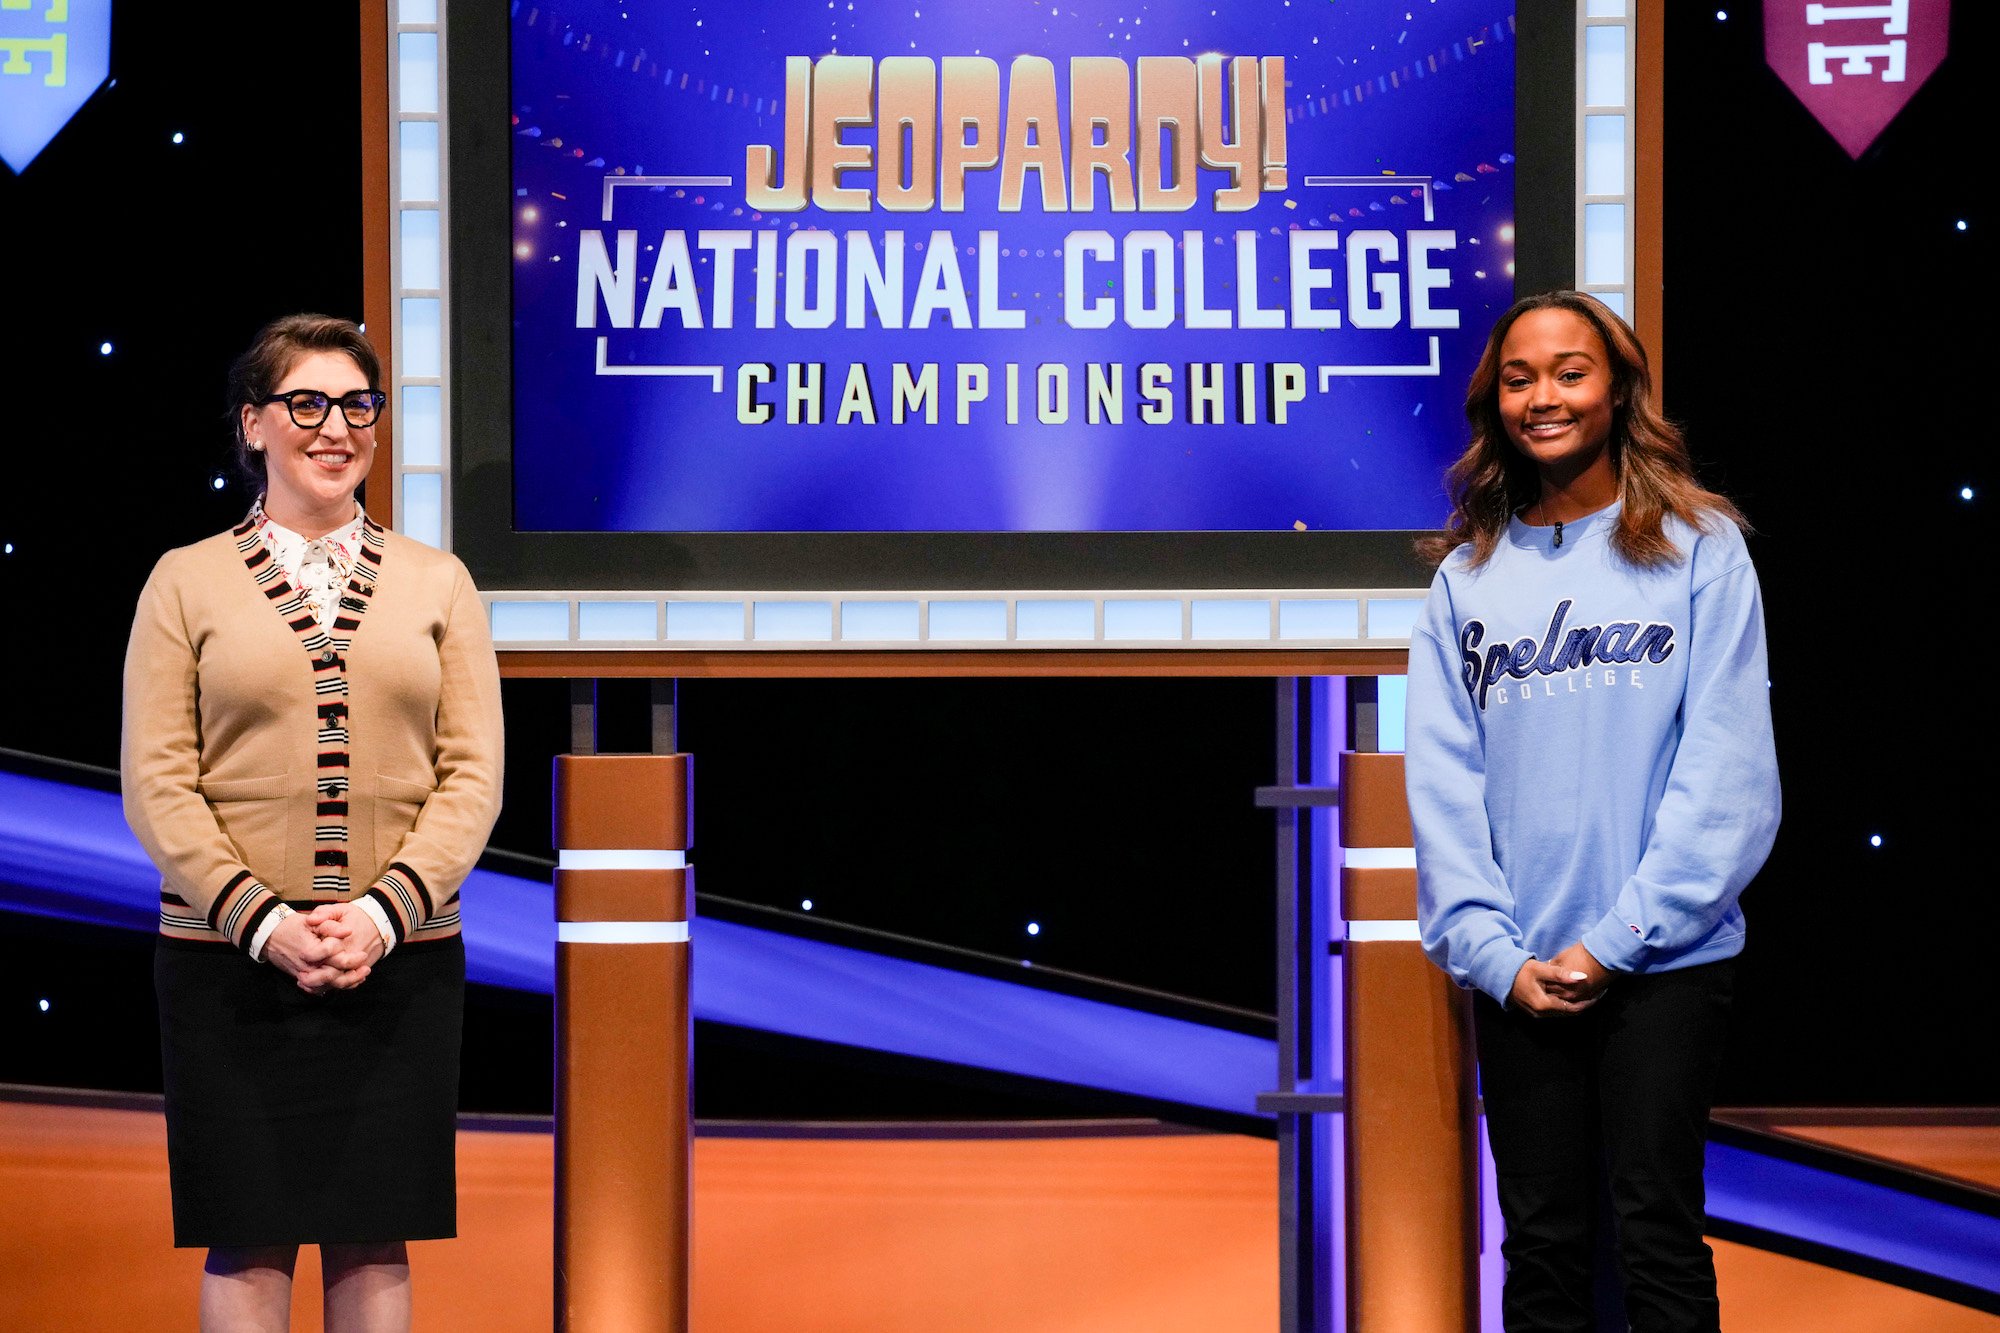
x: 1621, y: 1092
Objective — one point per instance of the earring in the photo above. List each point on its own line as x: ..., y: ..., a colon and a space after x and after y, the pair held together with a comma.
x: 256, y: 447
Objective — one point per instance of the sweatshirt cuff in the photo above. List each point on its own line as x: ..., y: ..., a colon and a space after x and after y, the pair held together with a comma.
x: 1616, y: 943
x: 270, y: 923
x: 240, y: 910
x: 1494, y: 970
x: 403, y: 898
x: 380, y: 916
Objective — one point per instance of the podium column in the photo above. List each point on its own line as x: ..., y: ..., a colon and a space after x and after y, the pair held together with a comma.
x: 623, y: 1105
x: 1412, y: 1219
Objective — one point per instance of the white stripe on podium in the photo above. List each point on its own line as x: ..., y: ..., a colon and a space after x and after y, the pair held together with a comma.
x: 569, y: 859
x: 621, y: 932
x: 1377, y: 932
x: 1382, y: 858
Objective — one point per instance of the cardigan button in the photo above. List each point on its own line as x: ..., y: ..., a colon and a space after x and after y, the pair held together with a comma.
x: 326, y: 656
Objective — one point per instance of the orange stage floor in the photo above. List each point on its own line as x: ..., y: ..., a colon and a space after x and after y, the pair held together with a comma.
x: 1146, y: 1234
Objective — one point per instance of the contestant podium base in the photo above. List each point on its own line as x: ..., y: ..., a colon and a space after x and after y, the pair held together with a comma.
x: 623, y: 1036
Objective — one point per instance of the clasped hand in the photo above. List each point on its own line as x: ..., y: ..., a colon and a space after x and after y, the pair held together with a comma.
x: 332, y: 947
x: 1567, y: 984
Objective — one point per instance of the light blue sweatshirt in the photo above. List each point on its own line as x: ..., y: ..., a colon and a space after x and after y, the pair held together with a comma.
x: 1589, y: 752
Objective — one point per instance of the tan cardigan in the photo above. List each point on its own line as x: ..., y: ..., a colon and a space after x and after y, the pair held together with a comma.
x: 266, y: 759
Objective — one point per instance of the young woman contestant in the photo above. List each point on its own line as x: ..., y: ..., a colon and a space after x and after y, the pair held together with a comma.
x: 1592, y: 781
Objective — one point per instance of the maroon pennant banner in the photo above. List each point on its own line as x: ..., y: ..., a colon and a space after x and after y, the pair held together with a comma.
x: 1855, y: 66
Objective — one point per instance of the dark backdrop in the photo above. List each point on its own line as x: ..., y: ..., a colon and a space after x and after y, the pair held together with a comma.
x: 1821, y: 342
x: 1824, y: 347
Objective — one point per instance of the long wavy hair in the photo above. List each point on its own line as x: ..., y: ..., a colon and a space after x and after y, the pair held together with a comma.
x: 1493, y: 480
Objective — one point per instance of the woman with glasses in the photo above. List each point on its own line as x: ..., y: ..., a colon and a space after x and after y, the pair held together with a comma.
x: 311, y: 756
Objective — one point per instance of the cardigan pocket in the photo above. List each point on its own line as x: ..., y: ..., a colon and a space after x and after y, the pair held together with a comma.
x: 254, y: 814
x: 398, y: 803
x: 246, y: 789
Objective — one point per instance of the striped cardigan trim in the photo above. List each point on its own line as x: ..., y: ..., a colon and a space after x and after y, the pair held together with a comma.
x: 180, y: 921
x: 244, y: 903
x: 238, y: 910
x: 403, y: 896
x: 192, y: 928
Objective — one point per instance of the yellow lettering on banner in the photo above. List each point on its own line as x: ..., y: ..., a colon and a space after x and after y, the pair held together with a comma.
x: 1271, y: 81
x: 913, y: 394
x: 1204, y: 390
x: 1243, y: 159
x: 17, y: 50
x: 761, y: 187
x: 971, y: 102
x: 750, y: 410
x: 857, y: 400
x: 804, y: 394
x: 936, y: 121
x: 1105, y: 393
x: 1169, y: 112
x: 1262, y: 392
x: 1155, y: 381
x: 1034, y: 142
x: 844, y: 88
x: 908, y: 96
x: 1100, y: 100
x: 972, y: 379
x: 1285, y: 383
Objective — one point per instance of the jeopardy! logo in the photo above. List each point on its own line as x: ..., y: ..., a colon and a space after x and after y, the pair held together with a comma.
x: 53, y: 55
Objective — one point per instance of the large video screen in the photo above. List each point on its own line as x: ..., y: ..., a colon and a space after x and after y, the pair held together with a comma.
x: 1021, y: 293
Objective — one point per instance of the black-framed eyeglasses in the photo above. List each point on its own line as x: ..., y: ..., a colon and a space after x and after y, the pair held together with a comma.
x: 308, y: 408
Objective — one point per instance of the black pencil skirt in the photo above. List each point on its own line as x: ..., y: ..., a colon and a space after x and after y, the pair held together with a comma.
x: 299, y: 1119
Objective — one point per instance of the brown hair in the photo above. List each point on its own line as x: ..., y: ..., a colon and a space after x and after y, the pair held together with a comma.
x: 1492, y: 479
x: 278, y: 347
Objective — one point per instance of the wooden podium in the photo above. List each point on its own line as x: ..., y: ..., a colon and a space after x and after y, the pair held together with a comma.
x: 1412, y: 1215
x: 623, y: 1113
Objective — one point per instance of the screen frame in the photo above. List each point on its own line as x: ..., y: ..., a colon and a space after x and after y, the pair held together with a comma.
x: 480, y: 467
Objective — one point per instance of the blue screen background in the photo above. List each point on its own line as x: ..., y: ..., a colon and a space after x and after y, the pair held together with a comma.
x: 603, y: 89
